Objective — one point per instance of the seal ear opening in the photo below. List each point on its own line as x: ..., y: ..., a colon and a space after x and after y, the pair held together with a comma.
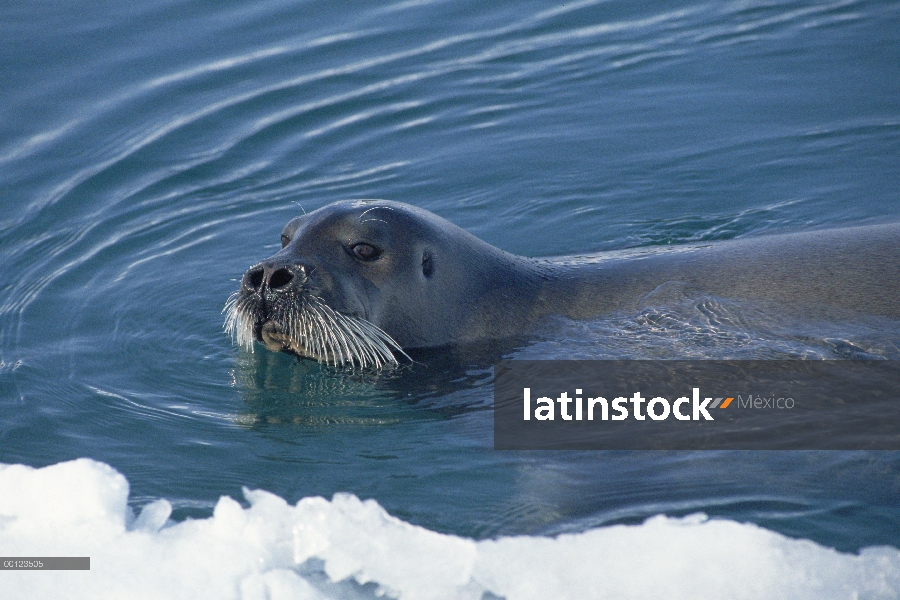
x: 427, y: 264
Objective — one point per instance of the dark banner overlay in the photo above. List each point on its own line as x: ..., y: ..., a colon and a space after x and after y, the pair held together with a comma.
x: 697, y: 405
x: 45, y: 563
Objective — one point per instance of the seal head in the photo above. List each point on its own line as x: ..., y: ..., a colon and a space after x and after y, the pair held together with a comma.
x: 357, y: 281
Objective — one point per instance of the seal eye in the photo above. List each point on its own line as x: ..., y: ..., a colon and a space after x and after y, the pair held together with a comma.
x: 285, y: 240
x: 365, y: 252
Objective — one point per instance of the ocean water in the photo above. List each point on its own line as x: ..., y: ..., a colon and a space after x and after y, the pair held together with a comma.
x: 150, y: 152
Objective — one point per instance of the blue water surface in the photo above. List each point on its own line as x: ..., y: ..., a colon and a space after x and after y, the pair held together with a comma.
x: 151, y: 151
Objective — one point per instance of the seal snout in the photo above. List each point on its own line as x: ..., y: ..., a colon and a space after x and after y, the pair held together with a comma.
x: 274, y: 277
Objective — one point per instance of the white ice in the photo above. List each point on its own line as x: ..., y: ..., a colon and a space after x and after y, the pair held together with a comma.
x: 351, y: 548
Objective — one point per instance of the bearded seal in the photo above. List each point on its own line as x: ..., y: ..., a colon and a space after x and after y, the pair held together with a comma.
x: 357, y: 282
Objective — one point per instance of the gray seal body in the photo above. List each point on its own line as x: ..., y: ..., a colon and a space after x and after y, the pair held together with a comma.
x: 370, y: 278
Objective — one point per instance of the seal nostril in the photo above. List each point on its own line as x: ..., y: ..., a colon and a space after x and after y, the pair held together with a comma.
x: 254, y: 278
x: 280, y: 279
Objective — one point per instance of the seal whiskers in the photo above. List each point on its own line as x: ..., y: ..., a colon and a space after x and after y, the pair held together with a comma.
x: 238, y: 322
x: 313, y: 329
x: 353, y: 339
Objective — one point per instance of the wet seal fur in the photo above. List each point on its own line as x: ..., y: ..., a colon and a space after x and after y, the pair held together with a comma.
x: 357, y: 282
